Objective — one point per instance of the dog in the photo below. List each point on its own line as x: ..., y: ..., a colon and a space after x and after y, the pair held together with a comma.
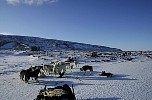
x: 30, y: 73
x: 103, y: 73
x: 48, y: 68
x: 85, y: 68
x: 33, y: 68
x: 22, y: 75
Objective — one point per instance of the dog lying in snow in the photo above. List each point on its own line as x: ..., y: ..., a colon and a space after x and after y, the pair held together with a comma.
x: 87, y: 67
x: 103, y: 73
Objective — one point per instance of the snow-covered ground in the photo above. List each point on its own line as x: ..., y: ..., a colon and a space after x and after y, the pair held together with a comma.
x: 132, y: 80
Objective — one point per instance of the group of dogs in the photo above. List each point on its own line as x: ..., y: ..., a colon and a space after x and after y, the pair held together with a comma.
x: 57, y: 68
x: 60, y: 92
x: 31, y: 72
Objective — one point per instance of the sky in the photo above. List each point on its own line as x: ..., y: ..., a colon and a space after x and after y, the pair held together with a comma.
x: 122, y: 24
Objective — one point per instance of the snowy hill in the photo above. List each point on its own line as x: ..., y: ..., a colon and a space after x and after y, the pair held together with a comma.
x: 26, y: 42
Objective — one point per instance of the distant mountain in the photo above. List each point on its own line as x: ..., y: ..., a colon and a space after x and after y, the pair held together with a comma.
x: 25, y: 42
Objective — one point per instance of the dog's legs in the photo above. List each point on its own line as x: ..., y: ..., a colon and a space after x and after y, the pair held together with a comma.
x: 26, y: 79
x: 36, y: 79
x: 90, y: 72
x: 71, y: 67
x: 84, y: 72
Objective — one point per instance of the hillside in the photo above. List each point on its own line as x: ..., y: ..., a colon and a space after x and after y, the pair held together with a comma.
x: 26, y: 42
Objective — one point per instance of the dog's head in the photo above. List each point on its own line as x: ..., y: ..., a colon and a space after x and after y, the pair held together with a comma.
x: 81, y: 69
x: 103, y: 72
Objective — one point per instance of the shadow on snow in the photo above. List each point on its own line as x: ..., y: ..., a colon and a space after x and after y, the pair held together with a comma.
x: 95, y: 76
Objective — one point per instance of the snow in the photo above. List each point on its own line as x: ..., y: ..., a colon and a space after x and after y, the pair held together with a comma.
x: 132, y: 80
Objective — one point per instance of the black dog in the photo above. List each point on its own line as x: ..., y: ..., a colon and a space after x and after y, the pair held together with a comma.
x: 87, y: 67
x: 30, y: 73
x: 106, y: 74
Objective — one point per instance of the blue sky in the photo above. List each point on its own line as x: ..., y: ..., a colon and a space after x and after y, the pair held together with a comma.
x: 123, y: 24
